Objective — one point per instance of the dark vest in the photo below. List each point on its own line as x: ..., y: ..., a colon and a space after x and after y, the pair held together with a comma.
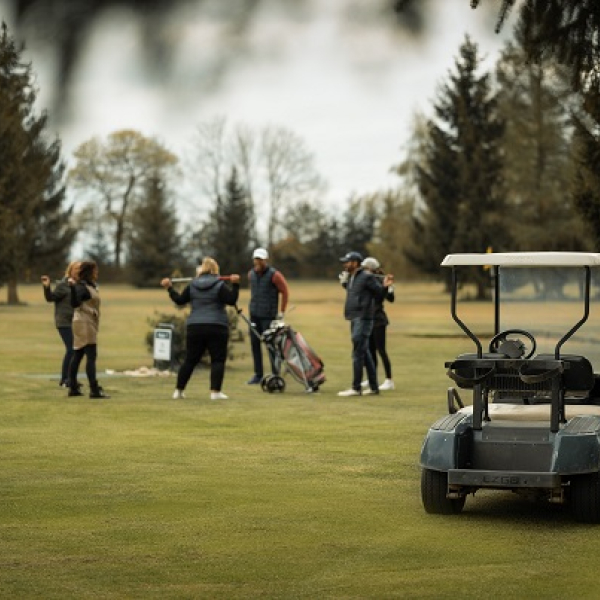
x: 264, y: 296
x: 207, y: 309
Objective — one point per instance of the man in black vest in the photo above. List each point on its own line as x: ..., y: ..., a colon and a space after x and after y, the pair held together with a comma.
x: 266, y: 285
x: 363, y: 289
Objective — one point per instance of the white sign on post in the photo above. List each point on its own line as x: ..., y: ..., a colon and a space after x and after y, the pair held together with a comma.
x: 162, y: 344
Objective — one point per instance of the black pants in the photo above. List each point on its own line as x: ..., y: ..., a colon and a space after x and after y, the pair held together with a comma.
x: 377, y: 346
x: 200, y: 338
x: 261, y: 325
x: 66, y: 335
x: 91, y: 352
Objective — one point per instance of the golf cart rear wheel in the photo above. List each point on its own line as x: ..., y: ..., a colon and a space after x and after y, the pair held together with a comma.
x: 434, y: 487
x: 585, y: 497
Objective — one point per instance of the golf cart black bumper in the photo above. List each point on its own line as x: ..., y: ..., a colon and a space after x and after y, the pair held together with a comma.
x: 502, y: 479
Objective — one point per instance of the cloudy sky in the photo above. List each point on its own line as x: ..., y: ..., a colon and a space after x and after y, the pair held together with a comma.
x: 348, y: 86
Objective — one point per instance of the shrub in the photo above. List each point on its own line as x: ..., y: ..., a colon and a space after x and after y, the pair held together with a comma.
x: 178, y: 322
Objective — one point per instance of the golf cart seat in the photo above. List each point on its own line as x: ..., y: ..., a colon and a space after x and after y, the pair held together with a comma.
x: 508, y: 380
x: 465, y: 373
x: 578, y: 376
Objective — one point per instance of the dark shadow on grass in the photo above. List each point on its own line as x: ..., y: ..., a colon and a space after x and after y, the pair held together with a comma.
x: 510, y: 508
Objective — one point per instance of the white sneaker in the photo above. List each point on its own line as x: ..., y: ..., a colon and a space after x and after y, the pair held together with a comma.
x: 388, y: 384
x: 370, y: 392
x: 365, y: 384
x: 218, y: 396
x: 350, y: 392
x: 178, y: 395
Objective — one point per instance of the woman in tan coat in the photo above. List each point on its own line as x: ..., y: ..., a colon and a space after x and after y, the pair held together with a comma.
x: 86, y: 319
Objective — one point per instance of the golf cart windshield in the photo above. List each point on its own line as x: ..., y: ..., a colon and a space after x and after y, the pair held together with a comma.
x: 551, y: 295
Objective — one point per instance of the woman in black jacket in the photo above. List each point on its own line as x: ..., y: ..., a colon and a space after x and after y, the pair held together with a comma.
x: 377, y: 341
x: 207, y: 325
x: 63, y: 316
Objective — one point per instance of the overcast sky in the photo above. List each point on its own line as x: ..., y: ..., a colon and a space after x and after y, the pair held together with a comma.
x: 348, y: 88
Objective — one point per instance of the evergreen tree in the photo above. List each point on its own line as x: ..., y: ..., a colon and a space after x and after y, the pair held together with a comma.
x: 564, y: 29
x: 358, y: 225
x: 538, y: 163
x: 153, y: 242
x: 34, y: 227
x: 393, y: 224
x: 326, y: 249
x: 587, y: 175
x: 302, y: 221
x: 229, y: 236
x: 461, y: 179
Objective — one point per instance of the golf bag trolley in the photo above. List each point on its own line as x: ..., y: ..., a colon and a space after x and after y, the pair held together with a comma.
x: 287, y: 348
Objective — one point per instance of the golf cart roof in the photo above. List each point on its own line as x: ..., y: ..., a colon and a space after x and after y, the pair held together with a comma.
x: 524, y: 259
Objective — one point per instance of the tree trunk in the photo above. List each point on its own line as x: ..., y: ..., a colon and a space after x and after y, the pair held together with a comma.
x: 12, y: 297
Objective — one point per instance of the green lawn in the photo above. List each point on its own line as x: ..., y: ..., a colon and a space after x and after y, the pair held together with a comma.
x: 260, y: 496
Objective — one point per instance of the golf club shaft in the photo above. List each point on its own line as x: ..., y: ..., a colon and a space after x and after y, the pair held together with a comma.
x: 188, y: 279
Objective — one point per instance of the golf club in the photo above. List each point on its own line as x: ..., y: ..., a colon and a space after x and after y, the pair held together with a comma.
x: 188, y: 279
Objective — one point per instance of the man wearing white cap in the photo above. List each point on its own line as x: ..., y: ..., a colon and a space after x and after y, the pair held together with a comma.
x: 267, y: 284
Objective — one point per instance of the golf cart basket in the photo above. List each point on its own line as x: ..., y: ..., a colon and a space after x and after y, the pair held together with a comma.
x: 532, y: 425
x: 290, y: 353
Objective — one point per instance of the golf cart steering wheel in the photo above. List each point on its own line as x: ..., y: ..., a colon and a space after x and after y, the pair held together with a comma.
x: 499, y: 344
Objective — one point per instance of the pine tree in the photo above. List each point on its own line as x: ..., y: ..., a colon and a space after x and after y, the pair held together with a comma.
x: 326, y: 249
x: 229, y: 236
x: 538, y: 158
x: 461, y: 179
x: 587, y: 176
x: 358, y: 224
x: 394, y: 213
x: 153, y: 242
x: 34, y: 227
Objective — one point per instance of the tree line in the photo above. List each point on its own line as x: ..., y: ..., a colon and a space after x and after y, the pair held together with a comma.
x: 508, y: 161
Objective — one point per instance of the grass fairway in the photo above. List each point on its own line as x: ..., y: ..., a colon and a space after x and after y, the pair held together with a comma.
x: 259, y: 496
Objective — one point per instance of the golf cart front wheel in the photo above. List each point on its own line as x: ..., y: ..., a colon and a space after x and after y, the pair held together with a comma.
x: 434, y: 489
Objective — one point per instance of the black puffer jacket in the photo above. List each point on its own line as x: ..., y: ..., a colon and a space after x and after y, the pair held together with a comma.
x: 381, y: 319
x: 362, y: 292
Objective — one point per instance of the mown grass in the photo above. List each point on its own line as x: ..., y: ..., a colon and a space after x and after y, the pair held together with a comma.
x: 270, y: 496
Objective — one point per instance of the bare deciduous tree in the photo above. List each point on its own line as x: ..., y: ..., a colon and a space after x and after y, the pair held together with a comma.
x: 118, y: 170
x: 274, y: 165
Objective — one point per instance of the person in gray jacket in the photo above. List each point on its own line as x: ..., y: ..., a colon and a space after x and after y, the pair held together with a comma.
x: 363, y: 291
x: 207, y: 326
x: 63, y: 316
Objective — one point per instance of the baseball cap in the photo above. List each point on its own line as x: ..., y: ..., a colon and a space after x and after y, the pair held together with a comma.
x: 370, y: 263
x: 352, y: 256
x: 261, y: 253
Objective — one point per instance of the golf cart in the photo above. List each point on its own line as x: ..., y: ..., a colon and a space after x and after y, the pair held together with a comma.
x: 532, y: 422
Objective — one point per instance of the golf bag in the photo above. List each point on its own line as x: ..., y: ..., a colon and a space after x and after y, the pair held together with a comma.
x: 289, y: 350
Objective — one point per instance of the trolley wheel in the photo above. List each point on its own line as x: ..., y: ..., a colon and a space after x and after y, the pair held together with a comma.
x: 265, y: 383
x: 275, y: 383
